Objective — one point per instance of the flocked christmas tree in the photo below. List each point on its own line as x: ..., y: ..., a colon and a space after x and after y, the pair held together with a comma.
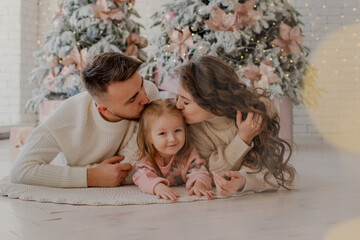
x: 261, y: 39
x: 81, y: 29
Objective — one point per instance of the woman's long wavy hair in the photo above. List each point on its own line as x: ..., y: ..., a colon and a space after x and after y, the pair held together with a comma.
x: 215, y: 87
x: 151, y: 113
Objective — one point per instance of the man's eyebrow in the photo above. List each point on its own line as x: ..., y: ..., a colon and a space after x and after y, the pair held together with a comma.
x: 134, y: 96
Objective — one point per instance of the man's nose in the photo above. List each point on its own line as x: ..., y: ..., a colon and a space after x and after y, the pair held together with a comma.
x: 144, y: 98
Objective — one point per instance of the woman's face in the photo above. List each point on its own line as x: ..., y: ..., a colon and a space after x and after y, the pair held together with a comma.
x: 191, y: 112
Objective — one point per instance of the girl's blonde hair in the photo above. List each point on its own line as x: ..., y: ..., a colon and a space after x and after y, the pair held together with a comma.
x: 150, y: 114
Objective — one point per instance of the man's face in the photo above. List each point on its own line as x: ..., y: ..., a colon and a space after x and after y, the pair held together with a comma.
x: 123, y: 100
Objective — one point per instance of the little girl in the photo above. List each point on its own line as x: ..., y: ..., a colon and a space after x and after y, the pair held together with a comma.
x: 168, y: 157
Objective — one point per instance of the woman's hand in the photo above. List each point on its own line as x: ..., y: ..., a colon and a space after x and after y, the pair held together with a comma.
x: 200, y: 189
x: 228, y: 188
x: 163, y: 191
x: 248, y: 128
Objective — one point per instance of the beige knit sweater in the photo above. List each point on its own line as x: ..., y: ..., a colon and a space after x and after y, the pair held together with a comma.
x: 219, y: 144
x: 78, y: 131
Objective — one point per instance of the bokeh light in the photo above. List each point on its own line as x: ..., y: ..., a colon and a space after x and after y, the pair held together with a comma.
x: 347, y: 230
x: 337, y: 116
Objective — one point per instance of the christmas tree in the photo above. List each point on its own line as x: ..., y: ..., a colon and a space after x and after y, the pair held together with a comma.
x: 81, y: 29
x: 262, y: 40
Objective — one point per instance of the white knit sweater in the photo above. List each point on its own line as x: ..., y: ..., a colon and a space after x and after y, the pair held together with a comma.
x: 78, y: 131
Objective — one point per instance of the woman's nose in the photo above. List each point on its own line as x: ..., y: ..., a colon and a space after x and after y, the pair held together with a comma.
x: 179, y: 105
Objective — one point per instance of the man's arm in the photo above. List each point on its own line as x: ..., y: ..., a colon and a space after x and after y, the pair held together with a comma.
x: 33, y: 164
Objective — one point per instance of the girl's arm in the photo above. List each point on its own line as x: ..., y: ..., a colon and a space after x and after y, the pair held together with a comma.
x: 196, y: 170
x: 146, y: 177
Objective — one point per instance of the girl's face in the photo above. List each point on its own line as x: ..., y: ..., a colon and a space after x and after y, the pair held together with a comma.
x: 168, y: 135
x: 189, y: 109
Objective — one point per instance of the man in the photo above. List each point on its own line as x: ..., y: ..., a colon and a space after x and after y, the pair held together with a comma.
x: 92, y: 129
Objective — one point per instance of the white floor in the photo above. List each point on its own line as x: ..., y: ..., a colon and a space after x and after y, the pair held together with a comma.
x: 328, y: 193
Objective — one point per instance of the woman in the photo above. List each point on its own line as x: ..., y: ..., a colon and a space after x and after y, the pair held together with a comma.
x: 235, y: 129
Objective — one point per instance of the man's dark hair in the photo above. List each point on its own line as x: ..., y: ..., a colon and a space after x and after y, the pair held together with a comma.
x: 106, y: 68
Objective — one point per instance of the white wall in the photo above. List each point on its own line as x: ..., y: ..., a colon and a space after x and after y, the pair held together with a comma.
x: 22, y: 25
x: 18, y: 40
x: 10, y: 59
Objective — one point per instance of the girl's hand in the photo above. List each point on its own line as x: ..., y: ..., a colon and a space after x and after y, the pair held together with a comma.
x: 163, y: 191
x: 228, y: 188
x: 248, y: 128
x: 200, y: 189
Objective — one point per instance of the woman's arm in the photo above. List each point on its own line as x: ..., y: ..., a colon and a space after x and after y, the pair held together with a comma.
x: 255, y: 181
x: 220, y: 158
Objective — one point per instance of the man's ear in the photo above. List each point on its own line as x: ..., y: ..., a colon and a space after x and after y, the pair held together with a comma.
x: 102, y: 109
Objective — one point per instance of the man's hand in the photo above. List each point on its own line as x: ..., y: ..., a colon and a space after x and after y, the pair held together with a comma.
x: 163, y: 191
x: 109, y: 173
x: 228, y: 188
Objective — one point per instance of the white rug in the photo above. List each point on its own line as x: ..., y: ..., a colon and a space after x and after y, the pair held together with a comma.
x: 124, y: 195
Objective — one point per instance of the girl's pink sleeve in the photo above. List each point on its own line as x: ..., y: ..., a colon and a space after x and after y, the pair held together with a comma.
x: 197, y: 170
x: 146, y: 177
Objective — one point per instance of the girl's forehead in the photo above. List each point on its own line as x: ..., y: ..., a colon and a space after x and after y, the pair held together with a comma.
x: 167, y: 119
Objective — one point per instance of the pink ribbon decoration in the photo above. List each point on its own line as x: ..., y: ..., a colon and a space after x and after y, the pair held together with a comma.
x: 58, y: 13
x: 169, y: 16
x: 75, y: 58
x: 221, y: 21
x: 120, y: 2
x: 261, y: 76
x: 245, y: 14
x: 289, y: 39
x: 134, y: 42
x: 180, y: 41
x: 102, y: 11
